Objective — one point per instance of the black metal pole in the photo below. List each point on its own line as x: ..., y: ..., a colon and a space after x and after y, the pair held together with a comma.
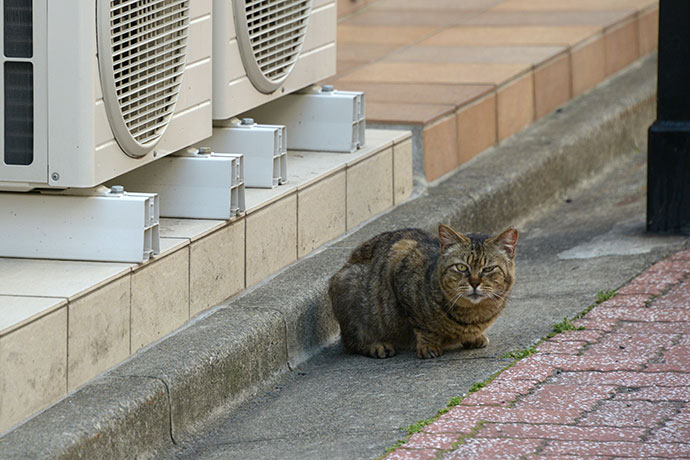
x: 668, y: 154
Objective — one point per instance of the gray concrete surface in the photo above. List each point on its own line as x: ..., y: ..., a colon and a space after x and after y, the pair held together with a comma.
x: 209, y: 368
x: 339, y: 406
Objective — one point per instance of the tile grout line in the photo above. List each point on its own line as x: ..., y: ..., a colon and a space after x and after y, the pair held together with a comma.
x: 67, y: 308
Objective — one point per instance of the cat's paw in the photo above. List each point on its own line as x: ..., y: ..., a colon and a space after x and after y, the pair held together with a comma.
x: 481, y: 341
x: 427, y: 351
x: 381, y: 350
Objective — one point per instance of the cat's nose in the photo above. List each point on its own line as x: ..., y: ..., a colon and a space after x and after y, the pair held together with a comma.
x: 474, y: 282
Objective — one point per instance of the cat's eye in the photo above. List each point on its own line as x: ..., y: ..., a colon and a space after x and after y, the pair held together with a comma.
x: 489, y: 269
x: 461, y: 268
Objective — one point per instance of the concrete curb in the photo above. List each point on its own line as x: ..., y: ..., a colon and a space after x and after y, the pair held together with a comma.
x: 162, y: 393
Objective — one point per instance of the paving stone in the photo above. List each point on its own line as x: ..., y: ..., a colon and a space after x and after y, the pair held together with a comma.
x: 675, y: 358
x: 676, y: 429
x: 652, y: 328
x: 623, y: 378
x: 670, y: 265
x: 567, y: 398
x: 496, y: 449
x: 627, y: 300
x: 560, y: 432
x: 566, y: 457
x: 652, y: 282
x: 682, y: 255
x: 443, y: 441
x: 629, y: 413
x: 529, y: 368
x: 623, y: 449
x: 409, y: 454
x: 500, y: 392
x: 589, y: 336
x: 651, y: 314
x: 676, y: 393
x: 463, y: 419
x: 637, y: 346
x: 678, y: 297
x: 600, y: 324
x: 562, y: 347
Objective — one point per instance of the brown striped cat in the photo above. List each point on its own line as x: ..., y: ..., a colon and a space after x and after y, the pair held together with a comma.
x: 408, y: 289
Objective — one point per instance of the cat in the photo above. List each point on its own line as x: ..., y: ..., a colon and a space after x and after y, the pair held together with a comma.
x: 408, y: 289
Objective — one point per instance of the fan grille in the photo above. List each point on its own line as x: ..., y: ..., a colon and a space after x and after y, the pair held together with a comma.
x: 148, y: 41
x: 276, y: 30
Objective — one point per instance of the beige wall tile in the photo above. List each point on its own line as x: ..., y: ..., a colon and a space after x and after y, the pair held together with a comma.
x: 33, y: 362
x: 440, y: 148
x: 271, y: 239
x: 437, y: 72
x: 216, y: 267
x: 515, y: 106
x: 160, y: 298
x: 381, y: 35
x: 369, y: 187
x: 476, y: 125
x: 649, y: 31
x: 98, y: 329
x: 621, y: 45
x: 588, y: 63
x: 551, y: 85
x: 320, y: 213
x: 402, y: 171
x: 511, y: 35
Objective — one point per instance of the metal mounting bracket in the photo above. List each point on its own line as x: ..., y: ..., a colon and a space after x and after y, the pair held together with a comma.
x: 98, y: 224
x: 194, y: 184
x: 264, y: 148
x: 318, y: 119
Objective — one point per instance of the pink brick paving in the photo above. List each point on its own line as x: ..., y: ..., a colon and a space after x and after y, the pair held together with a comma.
x: 619, y: 389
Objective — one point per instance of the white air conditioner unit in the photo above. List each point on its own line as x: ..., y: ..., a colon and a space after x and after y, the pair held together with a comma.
x: 264, y: 49
x: 93, y: 89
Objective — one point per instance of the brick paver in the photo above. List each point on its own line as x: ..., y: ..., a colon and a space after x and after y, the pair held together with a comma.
x: 618, y: 389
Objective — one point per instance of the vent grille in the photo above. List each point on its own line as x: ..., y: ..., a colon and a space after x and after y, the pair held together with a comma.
x: 143, y: 49
x: 18, y: 28
x: 19, y: 113
x: 272, y: 33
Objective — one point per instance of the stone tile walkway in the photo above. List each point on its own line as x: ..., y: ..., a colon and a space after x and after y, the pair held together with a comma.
x: 620, y: 388
x: 472, y: 72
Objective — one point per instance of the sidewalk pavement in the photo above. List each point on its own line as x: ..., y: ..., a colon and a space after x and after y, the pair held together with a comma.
x: 619, y: 388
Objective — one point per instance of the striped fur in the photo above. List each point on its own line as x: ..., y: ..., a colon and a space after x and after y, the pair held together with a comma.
x: 409, y: 289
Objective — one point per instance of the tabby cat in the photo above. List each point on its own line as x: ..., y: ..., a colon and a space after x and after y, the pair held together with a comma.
x: 407, y: 288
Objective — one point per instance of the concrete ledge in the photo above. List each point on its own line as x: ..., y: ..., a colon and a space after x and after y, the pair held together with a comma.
x: 162, y: 393
x: 108, y: 418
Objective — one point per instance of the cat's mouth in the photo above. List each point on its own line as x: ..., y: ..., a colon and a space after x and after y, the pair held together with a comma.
x: 475, y: 297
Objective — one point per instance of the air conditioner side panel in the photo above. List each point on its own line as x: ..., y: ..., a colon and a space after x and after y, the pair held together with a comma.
x: 192, y: 120
x: 234, y: 93
x: 71, y: 79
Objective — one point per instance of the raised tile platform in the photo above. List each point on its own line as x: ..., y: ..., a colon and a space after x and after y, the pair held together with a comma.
x: 466, y: 74
x: 64, y: 322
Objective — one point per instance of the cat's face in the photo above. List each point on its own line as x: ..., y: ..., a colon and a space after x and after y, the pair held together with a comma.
x: 476, y: 269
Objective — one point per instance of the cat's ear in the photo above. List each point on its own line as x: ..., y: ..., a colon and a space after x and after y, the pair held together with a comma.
x: 507, y: 241
x: 448, y: 236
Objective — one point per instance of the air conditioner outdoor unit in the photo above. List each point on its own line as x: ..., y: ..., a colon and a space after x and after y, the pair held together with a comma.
x: 93, y: 89
x: 264, y: 49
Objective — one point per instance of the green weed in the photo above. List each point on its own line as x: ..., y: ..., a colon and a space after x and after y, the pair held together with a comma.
x: 603, y: 296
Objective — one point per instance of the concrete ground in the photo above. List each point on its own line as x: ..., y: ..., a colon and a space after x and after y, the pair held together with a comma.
x: 340, y: 406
